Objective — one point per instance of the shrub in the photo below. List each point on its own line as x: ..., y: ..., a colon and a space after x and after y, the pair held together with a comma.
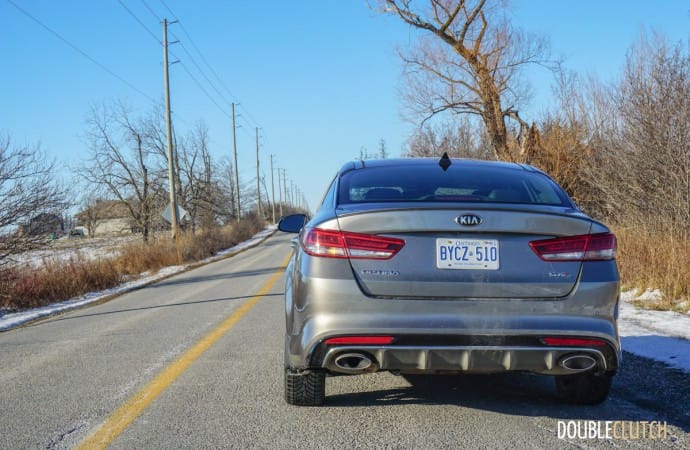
x: 655, y: 260
x: 56, y: 281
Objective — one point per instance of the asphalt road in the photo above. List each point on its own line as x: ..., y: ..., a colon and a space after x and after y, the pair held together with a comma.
x: 126, y: 367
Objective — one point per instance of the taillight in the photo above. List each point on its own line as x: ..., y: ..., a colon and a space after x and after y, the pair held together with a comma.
x: 343, y: 244
x: 573, y: 342
x: 360, y: 340
x: 328, y: 243
x: 586, y: 247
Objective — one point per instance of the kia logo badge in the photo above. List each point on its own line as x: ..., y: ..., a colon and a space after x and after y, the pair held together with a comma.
x: 468, y: 220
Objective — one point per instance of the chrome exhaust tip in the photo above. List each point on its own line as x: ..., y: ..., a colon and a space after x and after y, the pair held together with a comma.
x: 353, y: 363
x: 577, y: 363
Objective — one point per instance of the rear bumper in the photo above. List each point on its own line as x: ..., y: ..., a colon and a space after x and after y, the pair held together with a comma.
x: 451, y: 336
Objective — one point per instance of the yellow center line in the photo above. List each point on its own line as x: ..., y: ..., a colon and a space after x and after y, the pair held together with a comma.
x: 125, y: 415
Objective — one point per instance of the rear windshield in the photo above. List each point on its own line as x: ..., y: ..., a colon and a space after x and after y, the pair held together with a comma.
x: 457, y: 184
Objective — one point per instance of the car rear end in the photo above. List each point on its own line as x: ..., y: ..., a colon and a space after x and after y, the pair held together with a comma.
x: 476, y: 268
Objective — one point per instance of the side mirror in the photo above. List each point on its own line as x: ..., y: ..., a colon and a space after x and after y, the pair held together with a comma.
x: 293, y: 223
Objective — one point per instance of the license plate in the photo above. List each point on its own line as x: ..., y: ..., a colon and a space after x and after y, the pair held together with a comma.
x: 467, y: 254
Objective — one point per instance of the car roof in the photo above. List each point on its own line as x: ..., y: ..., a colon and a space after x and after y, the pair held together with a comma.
x: 406, y: 162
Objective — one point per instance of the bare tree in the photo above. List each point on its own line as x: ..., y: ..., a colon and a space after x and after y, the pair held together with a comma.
x: 226, y: 191
x: 156, y: 140
x: 91, y: 215
x: 580, y: 145
x: 623, y: 150
x: 249, y: 199
x: 200, y: 182
x: 470, y: 63
x: 27, y: 188
x: 460, y: 139
x: 383, y: 149
x: 124, y: 164
x: 654, y: 101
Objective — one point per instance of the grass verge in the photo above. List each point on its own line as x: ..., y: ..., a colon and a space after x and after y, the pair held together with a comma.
x: 22, y: 288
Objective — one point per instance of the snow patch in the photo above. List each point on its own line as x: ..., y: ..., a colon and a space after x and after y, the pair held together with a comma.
x: 659, y: 335
x: 649, y: 295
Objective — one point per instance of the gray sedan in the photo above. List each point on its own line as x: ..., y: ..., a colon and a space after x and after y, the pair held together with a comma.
x: 421, y: 266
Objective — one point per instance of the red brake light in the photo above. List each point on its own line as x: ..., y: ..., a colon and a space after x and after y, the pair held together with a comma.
x: 343, y: 244
x: 360, y: 340
x: 573, y: 342
x: 586, y: 247
x: 317, y: 242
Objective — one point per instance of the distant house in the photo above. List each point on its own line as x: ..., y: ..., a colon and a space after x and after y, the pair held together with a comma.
x: 106, y: 218
x: 43, y: 224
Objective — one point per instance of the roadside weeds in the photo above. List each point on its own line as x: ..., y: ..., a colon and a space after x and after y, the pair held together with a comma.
x: 22, y: 288
x: 655, y: 262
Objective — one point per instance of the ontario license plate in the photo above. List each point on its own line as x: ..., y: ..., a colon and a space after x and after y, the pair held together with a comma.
x: 467, y: 254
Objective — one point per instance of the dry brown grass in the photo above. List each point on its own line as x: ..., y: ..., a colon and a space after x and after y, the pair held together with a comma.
x: 655, y: 260
x: 23, y: 288
x: 138, y: 257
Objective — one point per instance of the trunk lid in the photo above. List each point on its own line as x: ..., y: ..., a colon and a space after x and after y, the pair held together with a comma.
x: 490, y: 244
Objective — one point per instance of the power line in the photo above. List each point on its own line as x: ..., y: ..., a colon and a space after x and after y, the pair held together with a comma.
x: 249, y: 114
x: 196, y: 64
x: 247, y: 117
x: 201, y: 71
x: 191, y: 58
x: 213, y: 72
x: 80, y: 51
x: 244, y: 130
x: 153, y: 13
x: 140, y: 22
x: 201, y: 55
x: 203, y: 89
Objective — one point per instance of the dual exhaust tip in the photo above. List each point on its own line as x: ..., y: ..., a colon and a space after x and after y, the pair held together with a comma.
x: 577, y: 362
x: 353, y: 363
x: 356, y: 363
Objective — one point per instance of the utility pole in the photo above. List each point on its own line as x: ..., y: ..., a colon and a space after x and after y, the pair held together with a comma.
x: 273, y: 193
x: 292, y: 193
x: 168, y: 125
x: 280, y: 195
x: 292, y: 199
x: 237, y: 176
x: 285, y: 190
x: 258, y: 181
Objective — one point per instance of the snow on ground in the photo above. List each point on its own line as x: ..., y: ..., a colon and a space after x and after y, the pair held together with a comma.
x: 81, y: 248
x: 660, y: 335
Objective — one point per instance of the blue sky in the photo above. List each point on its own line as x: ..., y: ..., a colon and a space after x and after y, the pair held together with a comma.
x: 320, y: 78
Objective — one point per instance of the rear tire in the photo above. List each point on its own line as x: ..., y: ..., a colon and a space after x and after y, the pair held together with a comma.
x: 306, y: 388
x: 587, y: 388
